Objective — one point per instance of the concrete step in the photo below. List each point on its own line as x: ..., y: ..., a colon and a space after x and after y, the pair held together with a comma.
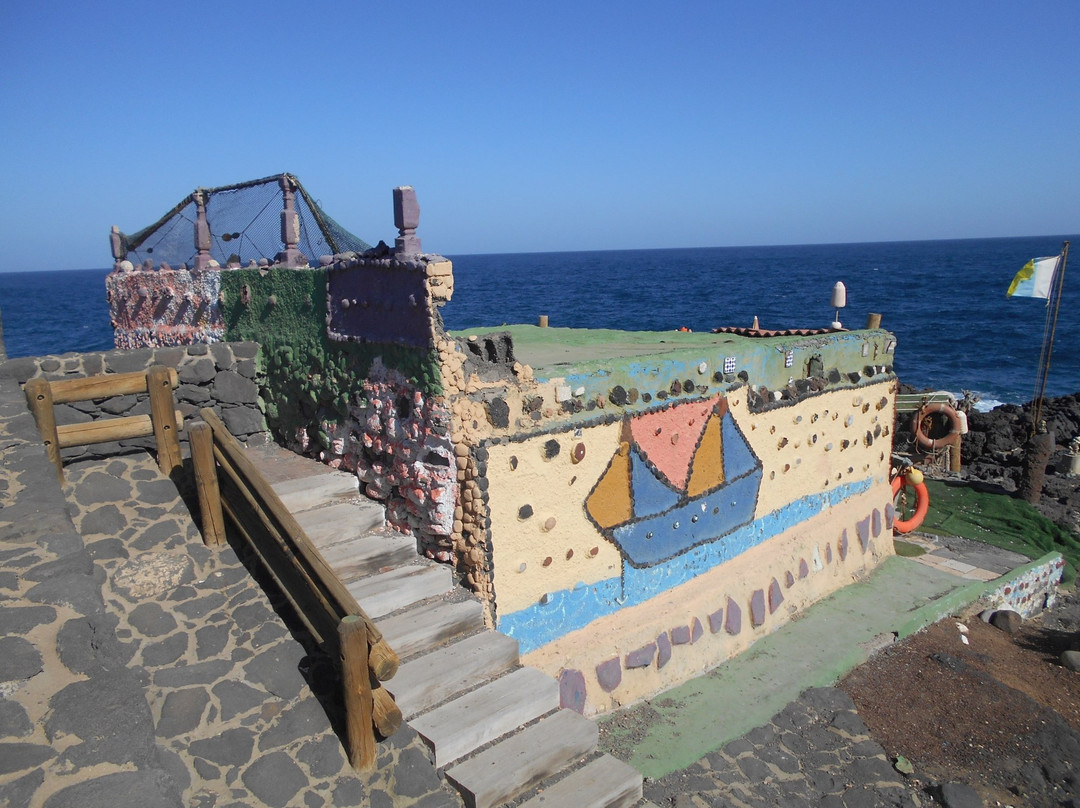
x: 601, y: 783
x: 425, y: 681
x: 428, y: 625
x: 381, y: 594
x: 516, y: 764
x: 337, y: 523
x: 460, y: 726
x: 324, y: 488
x: 371, y: 553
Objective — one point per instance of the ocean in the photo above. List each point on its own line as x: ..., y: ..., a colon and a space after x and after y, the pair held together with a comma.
x: 944, y: 300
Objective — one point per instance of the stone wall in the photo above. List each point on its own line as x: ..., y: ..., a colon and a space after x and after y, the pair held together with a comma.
x: 224, y: 376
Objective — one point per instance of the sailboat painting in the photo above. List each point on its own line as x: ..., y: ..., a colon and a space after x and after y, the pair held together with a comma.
x: 681, y: 477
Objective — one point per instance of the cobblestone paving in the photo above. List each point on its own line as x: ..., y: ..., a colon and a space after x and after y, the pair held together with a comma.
x: 814, y: 752
x: 139, y: 668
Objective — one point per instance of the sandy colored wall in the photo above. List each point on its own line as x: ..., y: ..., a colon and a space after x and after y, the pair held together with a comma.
x: 650, y: 645
x: 700, y: 485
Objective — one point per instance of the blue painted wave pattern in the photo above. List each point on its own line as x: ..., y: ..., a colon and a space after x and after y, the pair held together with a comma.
x: 568, y: 610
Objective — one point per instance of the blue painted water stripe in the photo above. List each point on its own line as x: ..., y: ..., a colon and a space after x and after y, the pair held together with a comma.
x: 570, y: 609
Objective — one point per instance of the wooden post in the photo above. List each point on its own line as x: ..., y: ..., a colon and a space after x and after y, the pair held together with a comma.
x: 201, y: 438
x: 954, y: 454
x: 39, y: 398
x: 543, y: 321
x: 159, y: 384
x: 356, y: 681
x: 873, y: 321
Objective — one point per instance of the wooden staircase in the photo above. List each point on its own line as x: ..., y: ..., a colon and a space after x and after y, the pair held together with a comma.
x: 495, y: 728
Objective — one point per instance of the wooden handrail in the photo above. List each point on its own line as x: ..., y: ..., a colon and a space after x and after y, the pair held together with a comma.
x: 323, y: 603
x: 163, y: 422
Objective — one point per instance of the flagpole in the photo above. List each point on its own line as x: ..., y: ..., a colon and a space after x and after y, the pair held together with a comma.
x: 1053, y: 307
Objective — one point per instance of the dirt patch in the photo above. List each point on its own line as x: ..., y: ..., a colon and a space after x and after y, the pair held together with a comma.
x: 999, y: 713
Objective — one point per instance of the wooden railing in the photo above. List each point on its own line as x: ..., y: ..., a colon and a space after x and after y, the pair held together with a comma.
x: 163, y: 422
x: 327, y: 609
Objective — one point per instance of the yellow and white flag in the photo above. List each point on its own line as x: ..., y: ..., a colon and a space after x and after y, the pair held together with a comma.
x: 1035, y: 279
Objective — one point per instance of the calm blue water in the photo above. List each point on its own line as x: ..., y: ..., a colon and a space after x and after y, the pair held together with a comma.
x: 945, y: 301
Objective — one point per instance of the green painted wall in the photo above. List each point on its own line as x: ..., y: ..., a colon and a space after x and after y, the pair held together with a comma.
x: 308, y: 379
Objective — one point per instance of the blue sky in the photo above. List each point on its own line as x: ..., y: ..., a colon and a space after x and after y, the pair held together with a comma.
x: 546, y: 126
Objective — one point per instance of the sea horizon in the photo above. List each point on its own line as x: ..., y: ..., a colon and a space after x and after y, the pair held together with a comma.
x: 943, y: 298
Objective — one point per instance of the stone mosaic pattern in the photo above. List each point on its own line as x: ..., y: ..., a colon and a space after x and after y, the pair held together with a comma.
x: 816, y: 752
x: 142, y: 669
x: 1030, y: 591
x: 223, y: 376
x: 760, y: 606
x: 164, y: 307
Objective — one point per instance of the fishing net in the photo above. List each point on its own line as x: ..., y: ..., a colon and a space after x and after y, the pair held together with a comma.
x: 245, y: 226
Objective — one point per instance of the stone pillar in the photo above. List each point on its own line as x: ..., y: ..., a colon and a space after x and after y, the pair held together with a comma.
x: 290, y: 227
x: 116, y: 243
x: 202, y: 233
x: 406, y: 220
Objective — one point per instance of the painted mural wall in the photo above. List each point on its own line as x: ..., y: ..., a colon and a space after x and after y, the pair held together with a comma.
x: 633, y: 507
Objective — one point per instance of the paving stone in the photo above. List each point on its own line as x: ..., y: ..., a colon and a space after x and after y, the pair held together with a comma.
x: 21, y: 619
x: 210, y: 641
x: 81, y: 592
x: 182, y: 711
x: 18, y: 793
x: 203, y: 606
x: 850, y: 723
x: 166, y: 651
x: 324, y: 757
x: 151, y: 620
x: 98, y: 488
x: 107, y: 549
x: 275, y: 779
x: 199, y: 673
x: 14, y: 722
x: 302, y: 719
x: 109, y: 714
x: 17, y: 757
x: 277, y: 669
x: 251, y: 615
x: 237, y: 698
x: 155, y: 492
x: 230, y: 748
x: 106, y: 520
x: 150, y: 575
x: 89, y: 644
x: 143, y: 789
x: 349, y: 792
x: 78, y: 563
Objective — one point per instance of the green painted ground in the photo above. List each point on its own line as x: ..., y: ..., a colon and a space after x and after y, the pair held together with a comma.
x: 681, y: 725
x: 999, y: 520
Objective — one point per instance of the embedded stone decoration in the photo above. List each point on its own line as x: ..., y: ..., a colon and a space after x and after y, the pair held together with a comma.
x: 776, y: 597
x: 716, y: 621
x: 663, y: 647
x: 609, y: 674
x: 641, y: 657
x: 572, y: 690
x: 757, y: 608
x: 733, y: 623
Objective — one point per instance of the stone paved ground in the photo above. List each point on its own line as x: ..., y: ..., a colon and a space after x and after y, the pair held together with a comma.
x: 814, y: 752
x: 139, y: 668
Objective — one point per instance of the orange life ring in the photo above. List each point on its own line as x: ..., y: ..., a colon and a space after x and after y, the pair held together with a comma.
x: 922, y: 503
x: 936, y: 443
